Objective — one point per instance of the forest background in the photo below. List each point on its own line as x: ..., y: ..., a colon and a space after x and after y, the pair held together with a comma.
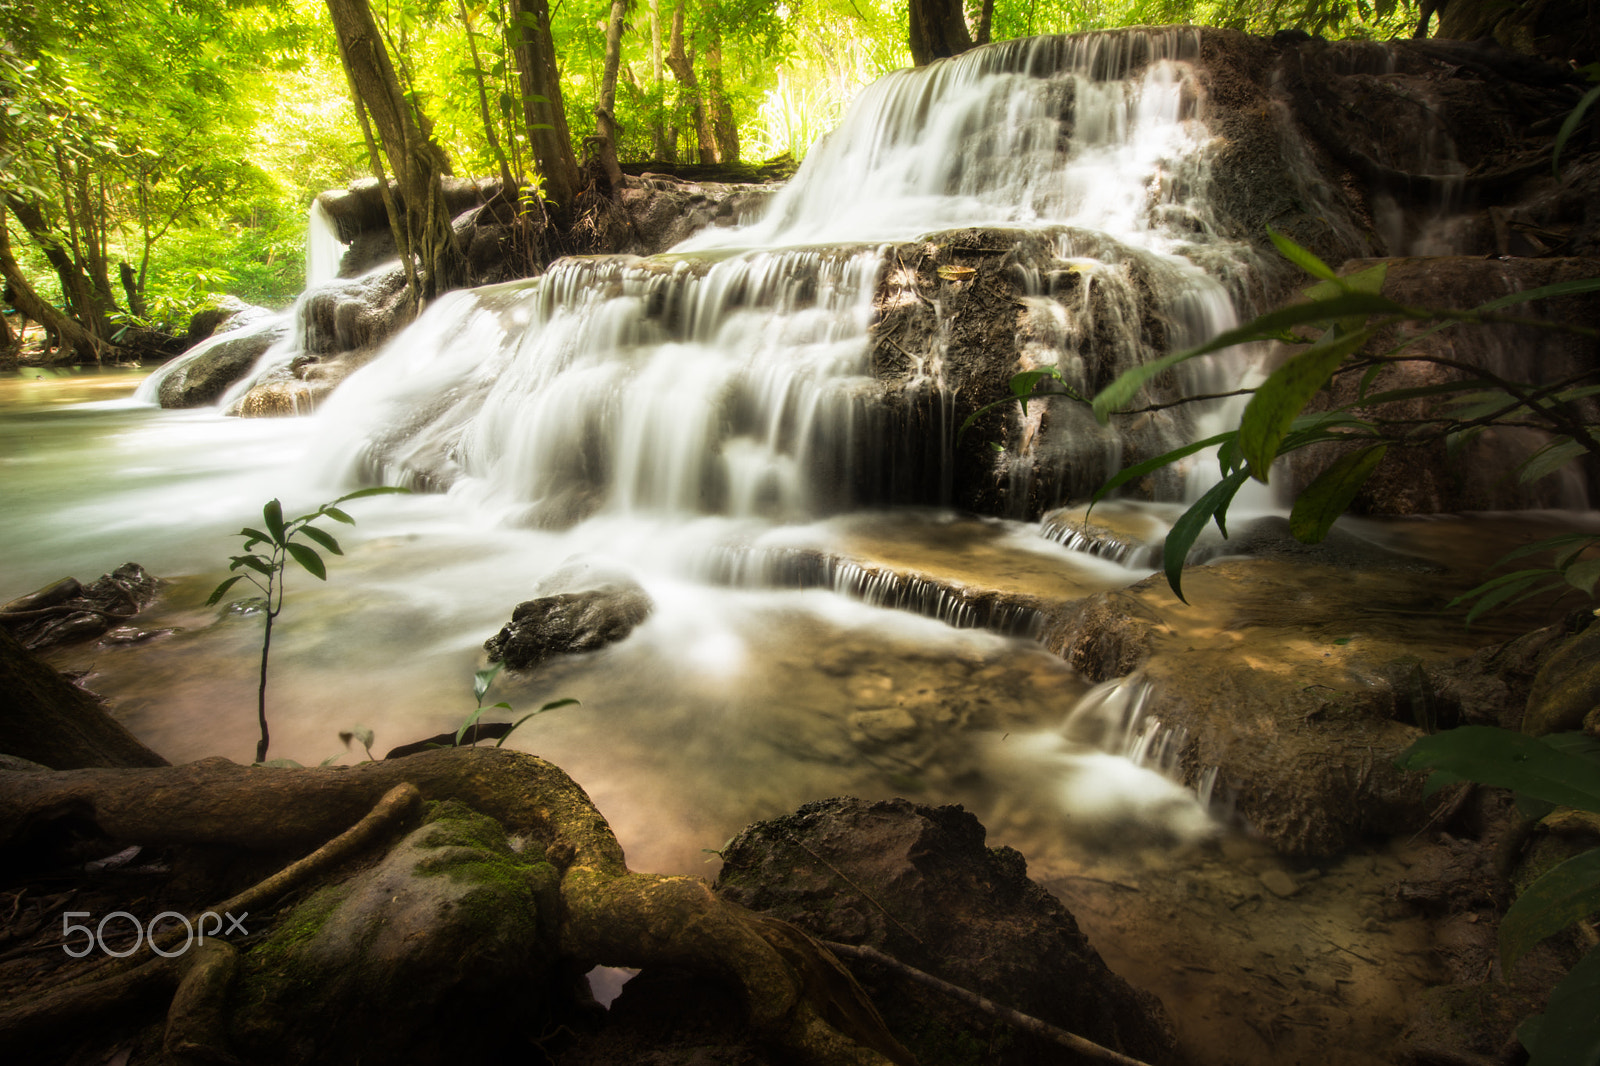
x: 168, y: 152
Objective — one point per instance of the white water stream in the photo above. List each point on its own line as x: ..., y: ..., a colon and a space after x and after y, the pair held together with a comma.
x: 635, y: 414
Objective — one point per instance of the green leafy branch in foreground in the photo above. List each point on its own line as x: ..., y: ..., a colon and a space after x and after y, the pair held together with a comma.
x: 1562, y: 769
x: 267, y: 571
x: 1343, y: 317
x: 481, y: 681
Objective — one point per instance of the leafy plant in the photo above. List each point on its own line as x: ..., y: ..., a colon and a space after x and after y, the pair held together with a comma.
x: 481, y: 683
x: 267, y: 572
x: 1342, y: 317
x: 1562, y: 769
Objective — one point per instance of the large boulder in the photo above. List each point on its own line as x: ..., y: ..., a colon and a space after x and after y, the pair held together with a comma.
x: 918, y: 884
x: 200, y: 376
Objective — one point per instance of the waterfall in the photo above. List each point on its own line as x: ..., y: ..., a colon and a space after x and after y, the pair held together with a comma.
x: 324, y: 250
x: 323, y: 253
x: 732, y: 375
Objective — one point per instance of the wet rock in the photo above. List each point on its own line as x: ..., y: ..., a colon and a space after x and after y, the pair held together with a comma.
x: 201, y: 380
x: 65, y: 611
x: 569, y: 622
x: 1280, y: 883
x: 1491, y: 686
x: 665, y: 210
x: 224, y: 315
x: 1262, y: 678
x: 1110, y: 530
x: 451, y: 924
x: 918, y: 884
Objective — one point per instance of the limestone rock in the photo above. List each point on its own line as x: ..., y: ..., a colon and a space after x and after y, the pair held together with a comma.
x: 202, y: 379
x: 918, y: 883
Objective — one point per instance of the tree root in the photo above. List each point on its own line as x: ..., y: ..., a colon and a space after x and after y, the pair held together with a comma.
x: 796, y: 994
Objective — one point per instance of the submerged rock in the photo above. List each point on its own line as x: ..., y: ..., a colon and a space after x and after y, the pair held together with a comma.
x: 918, y: 884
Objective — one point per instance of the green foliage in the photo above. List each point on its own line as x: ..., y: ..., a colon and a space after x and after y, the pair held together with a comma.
x: 1562, y: 769
x: 1345, y: 315
x: 267, y: 571
x: 481, y: 683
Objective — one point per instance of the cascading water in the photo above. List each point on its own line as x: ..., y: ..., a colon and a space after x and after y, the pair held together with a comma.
x: 651, y: 414
x: 733, y: 375
x: 324, y: 250
x: 284, y: 334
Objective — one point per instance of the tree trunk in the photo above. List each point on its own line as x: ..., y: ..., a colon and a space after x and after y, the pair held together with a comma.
x: 605, y: 112
x: 985, y: 22
x: 548, y: 137
x: 658, y: 133
x: 130, y: 288
x: 74, y: 339
x: 938, y: 29
x: 681, y: 62
x: 417, y: 162
x: 724, y: 127
x: 507, y: 183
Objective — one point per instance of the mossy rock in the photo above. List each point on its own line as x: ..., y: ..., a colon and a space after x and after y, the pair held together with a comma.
x: 444, y: 951
x: 1567, y: 688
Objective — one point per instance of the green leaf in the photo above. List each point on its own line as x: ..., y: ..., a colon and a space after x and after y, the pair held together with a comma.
x: 1565, y: 894
x: 255, y: 536
x: 1548, y: 544
x: 272, y: 514
x: 376, y: 490
x: 1325, y: 499
x: 1282, y: 397
x: 1504, y: 759
x: 1187, y: 528
x: 363, y: 734
x: 222, y: 589
x: 1582, y: 576
x: 1547, y: 460
x: 1567, y: 1033
x: 1270, y: 325
x: 338, y: 515
x: 1570, y: 126
x: 483, y: 679
x: 1301, y: 257
x: 1138, y: 470
x: 309, y: 559
x: 330, y: 760
x: 254, y: 562
x: 466, y: 725
x: 323, y: 538
x: 1397, y: 395
x: 518, y: 723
